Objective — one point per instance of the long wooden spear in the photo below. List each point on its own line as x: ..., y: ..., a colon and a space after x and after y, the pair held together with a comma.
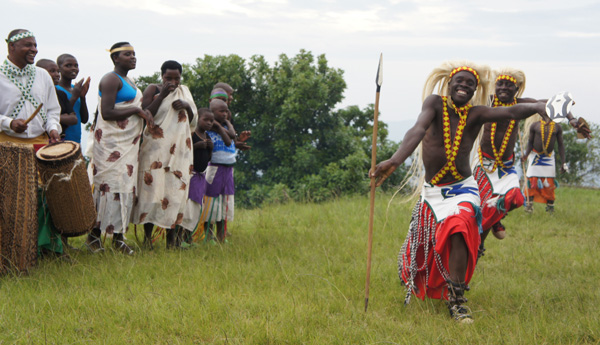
x: 378, y: 81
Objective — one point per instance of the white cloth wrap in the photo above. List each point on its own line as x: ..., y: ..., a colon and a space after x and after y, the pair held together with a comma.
x: 444, y: 200
x: 114, y: 178
x: 541, y: 165
x: 168, y: 160
x: 502, y: 179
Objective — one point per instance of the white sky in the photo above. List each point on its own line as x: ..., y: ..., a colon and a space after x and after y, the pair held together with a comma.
x: 555, y: 42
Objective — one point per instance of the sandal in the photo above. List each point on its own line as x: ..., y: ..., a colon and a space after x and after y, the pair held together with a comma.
x: 94, y: 244
x: 122, y: 247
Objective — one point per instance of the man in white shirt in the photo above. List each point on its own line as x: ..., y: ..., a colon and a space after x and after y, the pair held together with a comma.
x: 23, y: 87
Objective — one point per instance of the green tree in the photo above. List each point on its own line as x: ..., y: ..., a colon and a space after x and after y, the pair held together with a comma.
x: 582, y: 156
x: 360, y: 123
x: 143, y: 81
x: 302, y: 148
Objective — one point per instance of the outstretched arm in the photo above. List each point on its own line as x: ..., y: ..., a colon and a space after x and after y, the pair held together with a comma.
x: 581, y: 127
x: 411, y: 140
x: 516, y: 112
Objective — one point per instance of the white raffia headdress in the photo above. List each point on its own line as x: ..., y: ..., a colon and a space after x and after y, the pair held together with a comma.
x: 518, y: 77
x: 437, y: 82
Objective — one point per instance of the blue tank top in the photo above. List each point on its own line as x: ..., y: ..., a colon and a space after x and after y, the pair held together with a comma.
x: 127, y: 92
x: 73, y: 132
x: 222, y: 154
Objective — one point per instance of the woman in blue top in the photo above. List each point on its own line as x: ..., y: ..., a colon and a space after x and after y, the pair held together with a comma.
x: 69, y: 68
x: 115, y: 149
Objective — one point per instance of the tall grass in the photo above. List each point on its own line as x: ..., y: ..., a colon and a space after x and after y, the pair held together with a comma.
x: 295, y: 274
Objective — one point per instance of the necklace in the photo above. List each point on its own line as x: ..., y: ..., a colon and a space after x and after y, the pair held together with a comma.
x: 451, y: 148
x: 498, y: 154
x: 550, y: 131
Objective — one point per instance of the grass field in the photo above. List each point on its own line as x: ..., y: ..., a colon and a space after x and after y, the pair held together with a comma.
x: 295, y: 274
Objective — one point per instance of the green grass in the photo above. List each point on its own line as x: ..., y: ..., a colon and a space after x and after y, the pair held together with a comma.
x: 295, y: 274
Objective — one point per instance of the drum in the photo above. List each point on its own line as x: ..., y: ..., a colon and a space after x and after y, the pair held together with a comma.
x: 18, y: 208
x: 67, y: 186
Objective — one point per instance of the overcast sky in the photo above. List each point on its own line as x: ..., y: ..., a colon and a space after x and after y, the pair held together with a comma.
x: 556, y: 43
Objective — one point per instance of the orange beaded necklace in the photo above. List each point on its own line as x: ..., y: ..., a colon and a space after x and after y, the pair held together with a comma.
x: 451, y: 148
x: 498, y: 155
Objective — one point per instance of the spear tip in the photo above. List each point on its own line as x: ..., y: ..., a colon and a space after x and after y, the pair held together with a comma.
x: 379, y: 78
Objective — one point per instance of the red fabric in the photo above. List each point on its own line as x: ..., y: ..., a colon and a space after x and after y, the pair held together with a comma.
x: 491, y: 215
x: 541, y: 195
x: 464, y: 223
x: 36, y: 147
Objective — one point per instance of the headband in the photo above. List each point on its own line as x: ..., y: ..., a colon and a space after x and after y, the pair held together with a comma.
x: 120, y: 49
x: 507, y: 77
x: 19, y: 36
x: 219, y: 94
x: 465, y: 68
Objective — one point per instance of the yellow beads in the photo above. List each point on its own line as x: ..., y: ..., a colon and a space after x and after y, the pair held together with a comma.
x: 545, y: 145
x: 451, y: 150
x: 465, y: 68
x: 506, y: 77
x: 498, y: 154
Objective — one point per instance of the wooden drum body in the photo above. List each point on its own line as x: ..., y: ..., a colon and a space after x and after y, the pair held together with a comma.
x: 68, y: 191
x: 18, y: 208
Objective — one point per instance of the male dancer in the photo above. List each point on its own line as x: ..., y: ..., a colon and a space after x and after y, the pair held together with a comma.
x: 541, y: 166
x: 439, y: 255
x: 495, y: 172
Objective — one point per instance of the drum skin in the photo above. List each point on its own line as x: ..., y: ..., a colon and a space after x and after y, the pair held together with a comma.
x: 68, y: 191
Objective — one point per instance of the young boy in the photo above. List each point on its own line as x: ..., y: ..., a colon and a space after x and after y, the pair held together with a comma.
x: 69, y: 69
x: 194, y: 216
x: 224, y: 92
x: 67, y: 116
x: 218, y: 93
x: 219, y: 173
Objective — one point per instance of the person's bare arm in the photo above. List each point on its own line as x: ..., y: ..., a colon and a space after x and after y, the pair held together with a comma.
x: 516, y: 112
x: 109, y: 86
x: 222, y: 132
x: 411, y: 140
x: 80, y: 90
x: 151, y: 100
x: 83, y: 111
x: 180, y: 104
x: 560, y: 143
x: 529, y: 143
x: 67, y: 119
x: 230, y: 130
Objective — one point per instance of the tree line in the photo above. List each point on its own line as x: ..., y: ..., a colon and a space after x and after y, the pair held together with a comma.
x: 303, y: 148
